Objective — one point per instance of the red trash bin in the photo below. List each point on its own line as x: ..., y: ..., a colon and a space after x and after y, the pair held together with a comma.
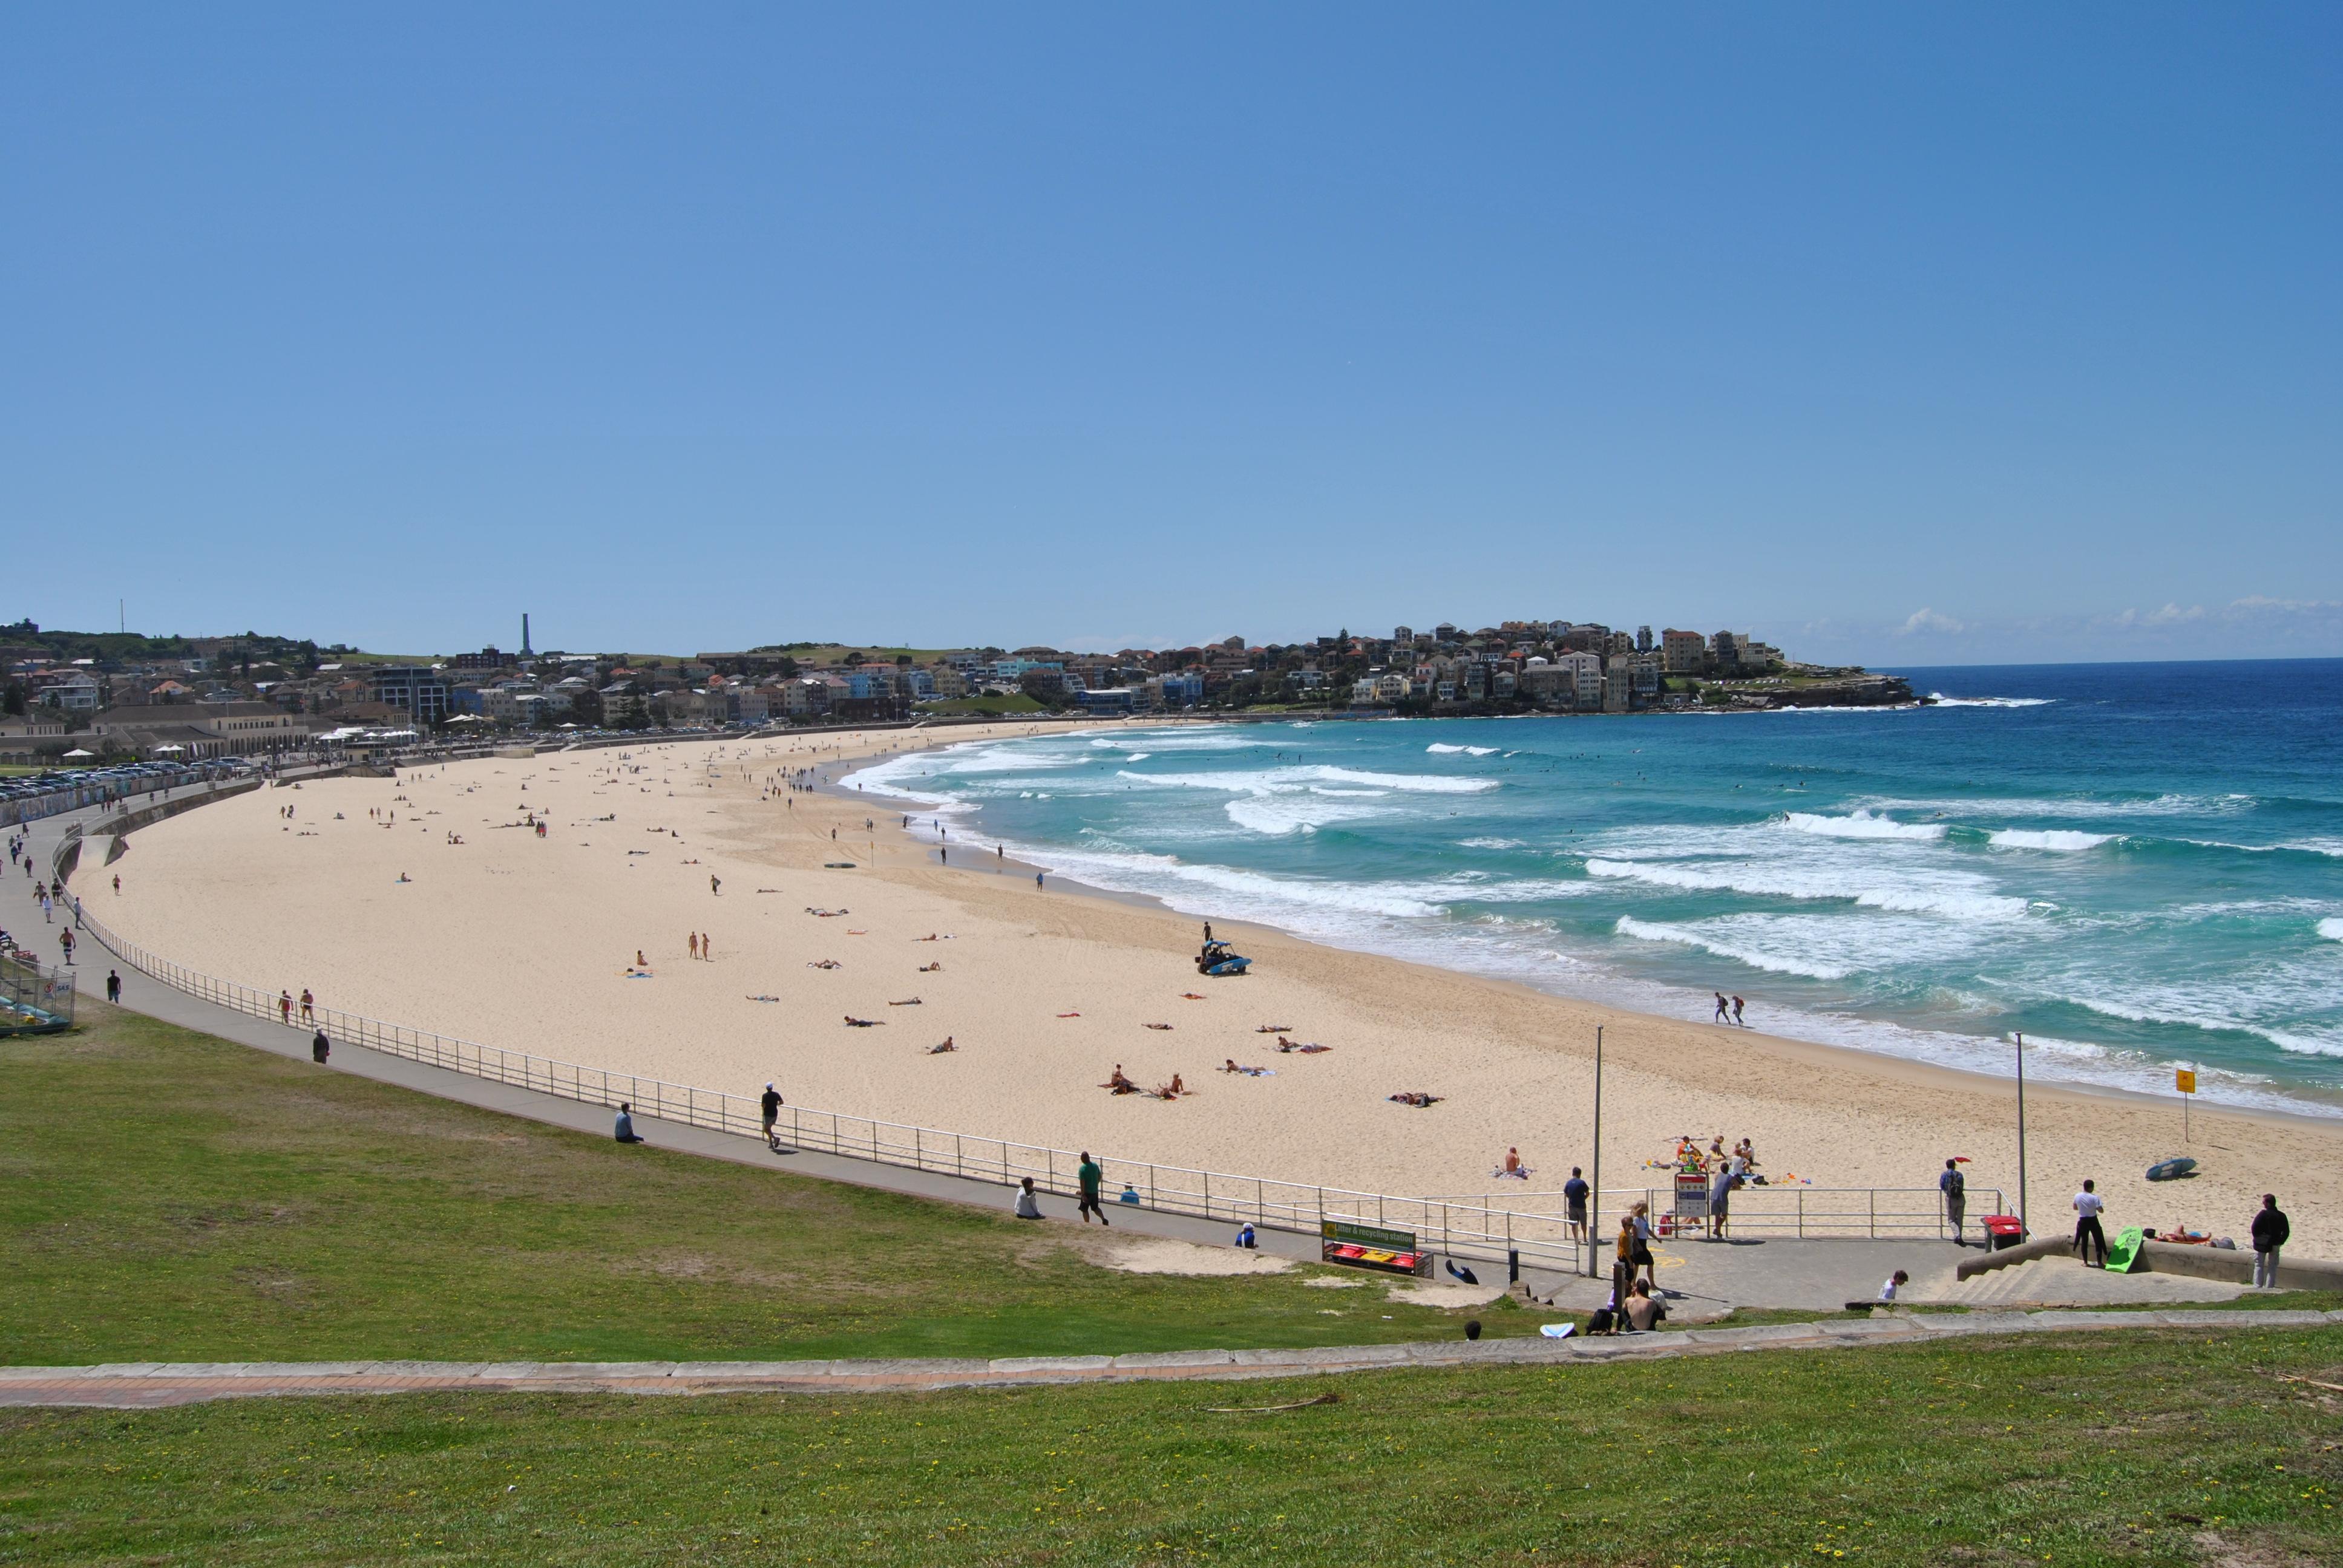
x: 2003, y: 1230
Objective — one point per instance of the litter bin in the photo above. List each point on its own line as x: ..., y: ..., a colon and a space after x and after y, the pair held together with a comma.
x: 2003, y: 1230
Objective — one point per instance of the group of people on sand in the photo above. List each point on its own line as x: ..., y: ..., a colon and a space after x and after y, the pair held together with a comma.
x: 1119, y: 1083
x: 701, y: 944
x: 1728, y: 1010
x: 1691, y: 1160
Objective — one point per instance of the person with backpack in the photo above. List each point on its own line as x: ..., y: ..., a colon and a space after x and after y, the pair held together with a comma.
x: 1955, y: 1189
x: 2270, y: 1232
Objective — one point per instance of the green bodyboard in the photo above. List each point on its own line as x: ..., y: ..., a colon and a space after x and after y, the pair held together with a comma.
x: 2129, y: 1255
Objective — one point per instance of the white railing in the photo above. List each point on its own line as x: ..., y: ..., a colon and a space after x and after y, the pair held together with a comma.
x: 1466, y: 1227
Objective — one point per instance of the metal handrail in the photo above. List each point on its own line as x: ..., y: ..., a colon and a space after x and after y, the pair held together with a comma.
x: 1461, y: 1228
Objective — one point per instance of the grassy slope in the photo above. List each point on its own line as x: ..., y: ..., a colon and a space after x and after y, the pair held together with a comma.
x: 2141, y: 1451
x: 167, y: 1196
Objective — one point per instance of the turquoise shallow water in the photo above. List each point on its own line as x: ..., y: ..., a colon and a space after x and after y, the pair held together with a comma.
x: 2138, y: 865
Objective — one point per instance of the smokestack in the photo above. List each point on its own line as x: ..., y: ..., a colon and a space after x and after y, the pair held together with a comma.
x: 524, y: 634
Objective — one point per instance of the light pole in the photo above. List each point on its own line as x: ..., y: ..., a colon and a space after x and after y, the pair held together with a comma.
x: 2020, y: 1035
x: 1594, y: 1195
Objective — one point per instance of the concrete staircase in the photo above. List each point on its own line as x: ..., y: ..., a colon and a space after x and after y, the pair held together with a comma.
x: 2060, y: 1281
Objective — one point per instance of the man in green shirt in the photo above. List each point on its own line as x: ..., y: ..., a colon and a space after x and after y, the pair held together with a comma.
x: 1089, y: 1175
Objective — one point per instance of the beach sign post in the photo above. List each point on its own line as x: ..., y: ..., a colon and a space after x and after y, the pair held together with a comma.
x: 2184, y: 1078
x: 2020, y: 1037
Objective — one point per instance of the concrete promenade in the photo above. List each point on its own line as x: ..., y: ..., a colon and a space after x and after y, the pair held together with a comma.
x: 142, y: 1386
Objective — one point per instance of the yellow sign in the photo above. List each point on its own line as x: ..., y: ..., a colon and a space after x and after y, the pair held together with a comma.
x: 2184, y: 1081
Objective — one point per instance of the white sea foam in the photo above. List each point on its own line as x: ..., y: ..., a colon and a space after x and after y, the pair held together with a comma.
x: 2169, y: 805
x: 1941, y: 700
x: 1489, y: 843
x: 2064, y: 840
x: 1862, y: 824
x: 1959, y: 895
x: 2331, y: 929
x: 1437, y: 749
x: 1724, y: 946
x: 1303, y: 775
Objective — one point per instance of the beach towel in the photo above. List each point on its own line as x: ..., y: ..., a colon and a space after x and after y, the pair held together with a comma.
x: 1557, y: 1331
x: 1162, y: 1026
x: 1501, y: 1174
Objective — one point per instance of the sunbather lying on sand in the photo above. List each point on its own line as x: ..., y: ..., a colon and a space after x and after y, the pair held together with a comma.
x: 1118, y: 1083
x: 1162, y: 1026
x: 825, y: 964
x: 854, y: 1022
x: 1248, y: 1072
x: 1415, y: 1096
x: 1271, y: 1028
x: 1190, y: 996
x: 1171, y: 1091
x: 939, y: 1050
x: 914, y: 1001
x: 764, y: 999
x: 929, y: 969
x: 1310, y: 1048
x: 825, y: 914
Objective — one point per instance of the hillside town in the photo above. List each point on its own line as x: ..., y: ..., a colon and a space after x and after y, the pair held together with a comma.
x: 194, y: 698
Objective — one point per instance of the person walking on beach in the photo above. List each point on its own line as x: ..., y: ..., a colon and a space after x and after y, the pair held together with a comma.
x: 66, y: 941
x: 308, y: 1004
x: 713, y: 885
x: 2270, y: 1232
x: 1737, y: 1015
x: 1955, y: 1189
x: 113, y: 985
x: 2088, y: 1206
x: 707, y: 948
x: 285, y: 1007
x: 1574, y: 1196
x: 624, y: 1130
x: 769, y: 1106
x: 691, y: 941
x: 1089, y: 1175
x: 1721, y: 1010
x: 1037, y: 880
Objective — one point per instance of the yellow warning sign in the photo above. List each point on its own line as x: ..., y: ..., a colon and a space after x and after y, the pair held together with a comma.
x: 2184, y: 1081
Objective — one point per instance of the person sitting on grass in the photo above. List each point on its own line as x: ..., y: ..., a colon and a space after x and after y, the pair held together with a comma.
x: 1644, y: 1312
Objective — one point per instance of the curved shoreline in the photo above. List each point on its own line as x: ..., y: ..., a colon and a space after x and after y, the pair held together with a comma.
x: 516, y: 940
x: 2044, y: 1064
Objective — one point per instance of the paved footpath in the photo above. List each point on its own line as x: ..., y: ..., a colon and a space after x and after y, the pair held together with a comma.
x: 153, y: 1385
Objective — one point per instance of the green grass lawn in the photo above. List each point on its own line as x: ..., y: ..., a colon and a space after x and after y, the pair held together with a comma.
x: 167, y: 1196
x: 2164, y: 1448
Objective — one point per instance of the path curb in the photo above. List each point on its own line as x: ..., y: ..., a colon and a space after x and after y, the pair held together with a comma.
x: 140, y: 1385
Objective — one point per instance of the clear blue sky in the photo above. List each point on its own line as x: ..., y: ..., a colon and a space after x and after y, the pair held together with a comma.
x: 1913, y: 334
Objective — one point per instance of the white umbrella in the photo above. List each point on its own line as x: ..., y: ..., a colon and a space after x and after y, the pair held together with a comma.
x: 78, y: 751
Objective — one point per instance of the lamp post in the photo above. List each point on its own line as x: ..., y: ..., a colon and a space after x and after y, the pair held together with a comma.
x: 1594, y: 1195
x: 2020, y: 1035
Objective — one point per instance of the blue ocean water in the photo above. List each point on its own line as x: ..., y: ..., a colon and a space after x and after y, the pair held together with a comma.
x: 2138, y: 865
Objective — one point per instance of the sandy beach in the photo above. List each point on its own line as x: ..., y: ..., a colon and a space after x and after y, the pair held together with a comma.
x: 525, y: 941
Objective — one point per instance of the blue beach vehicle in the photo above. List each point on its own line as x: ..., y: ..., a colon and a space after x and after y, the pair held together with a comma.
x: 1220, y: 959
